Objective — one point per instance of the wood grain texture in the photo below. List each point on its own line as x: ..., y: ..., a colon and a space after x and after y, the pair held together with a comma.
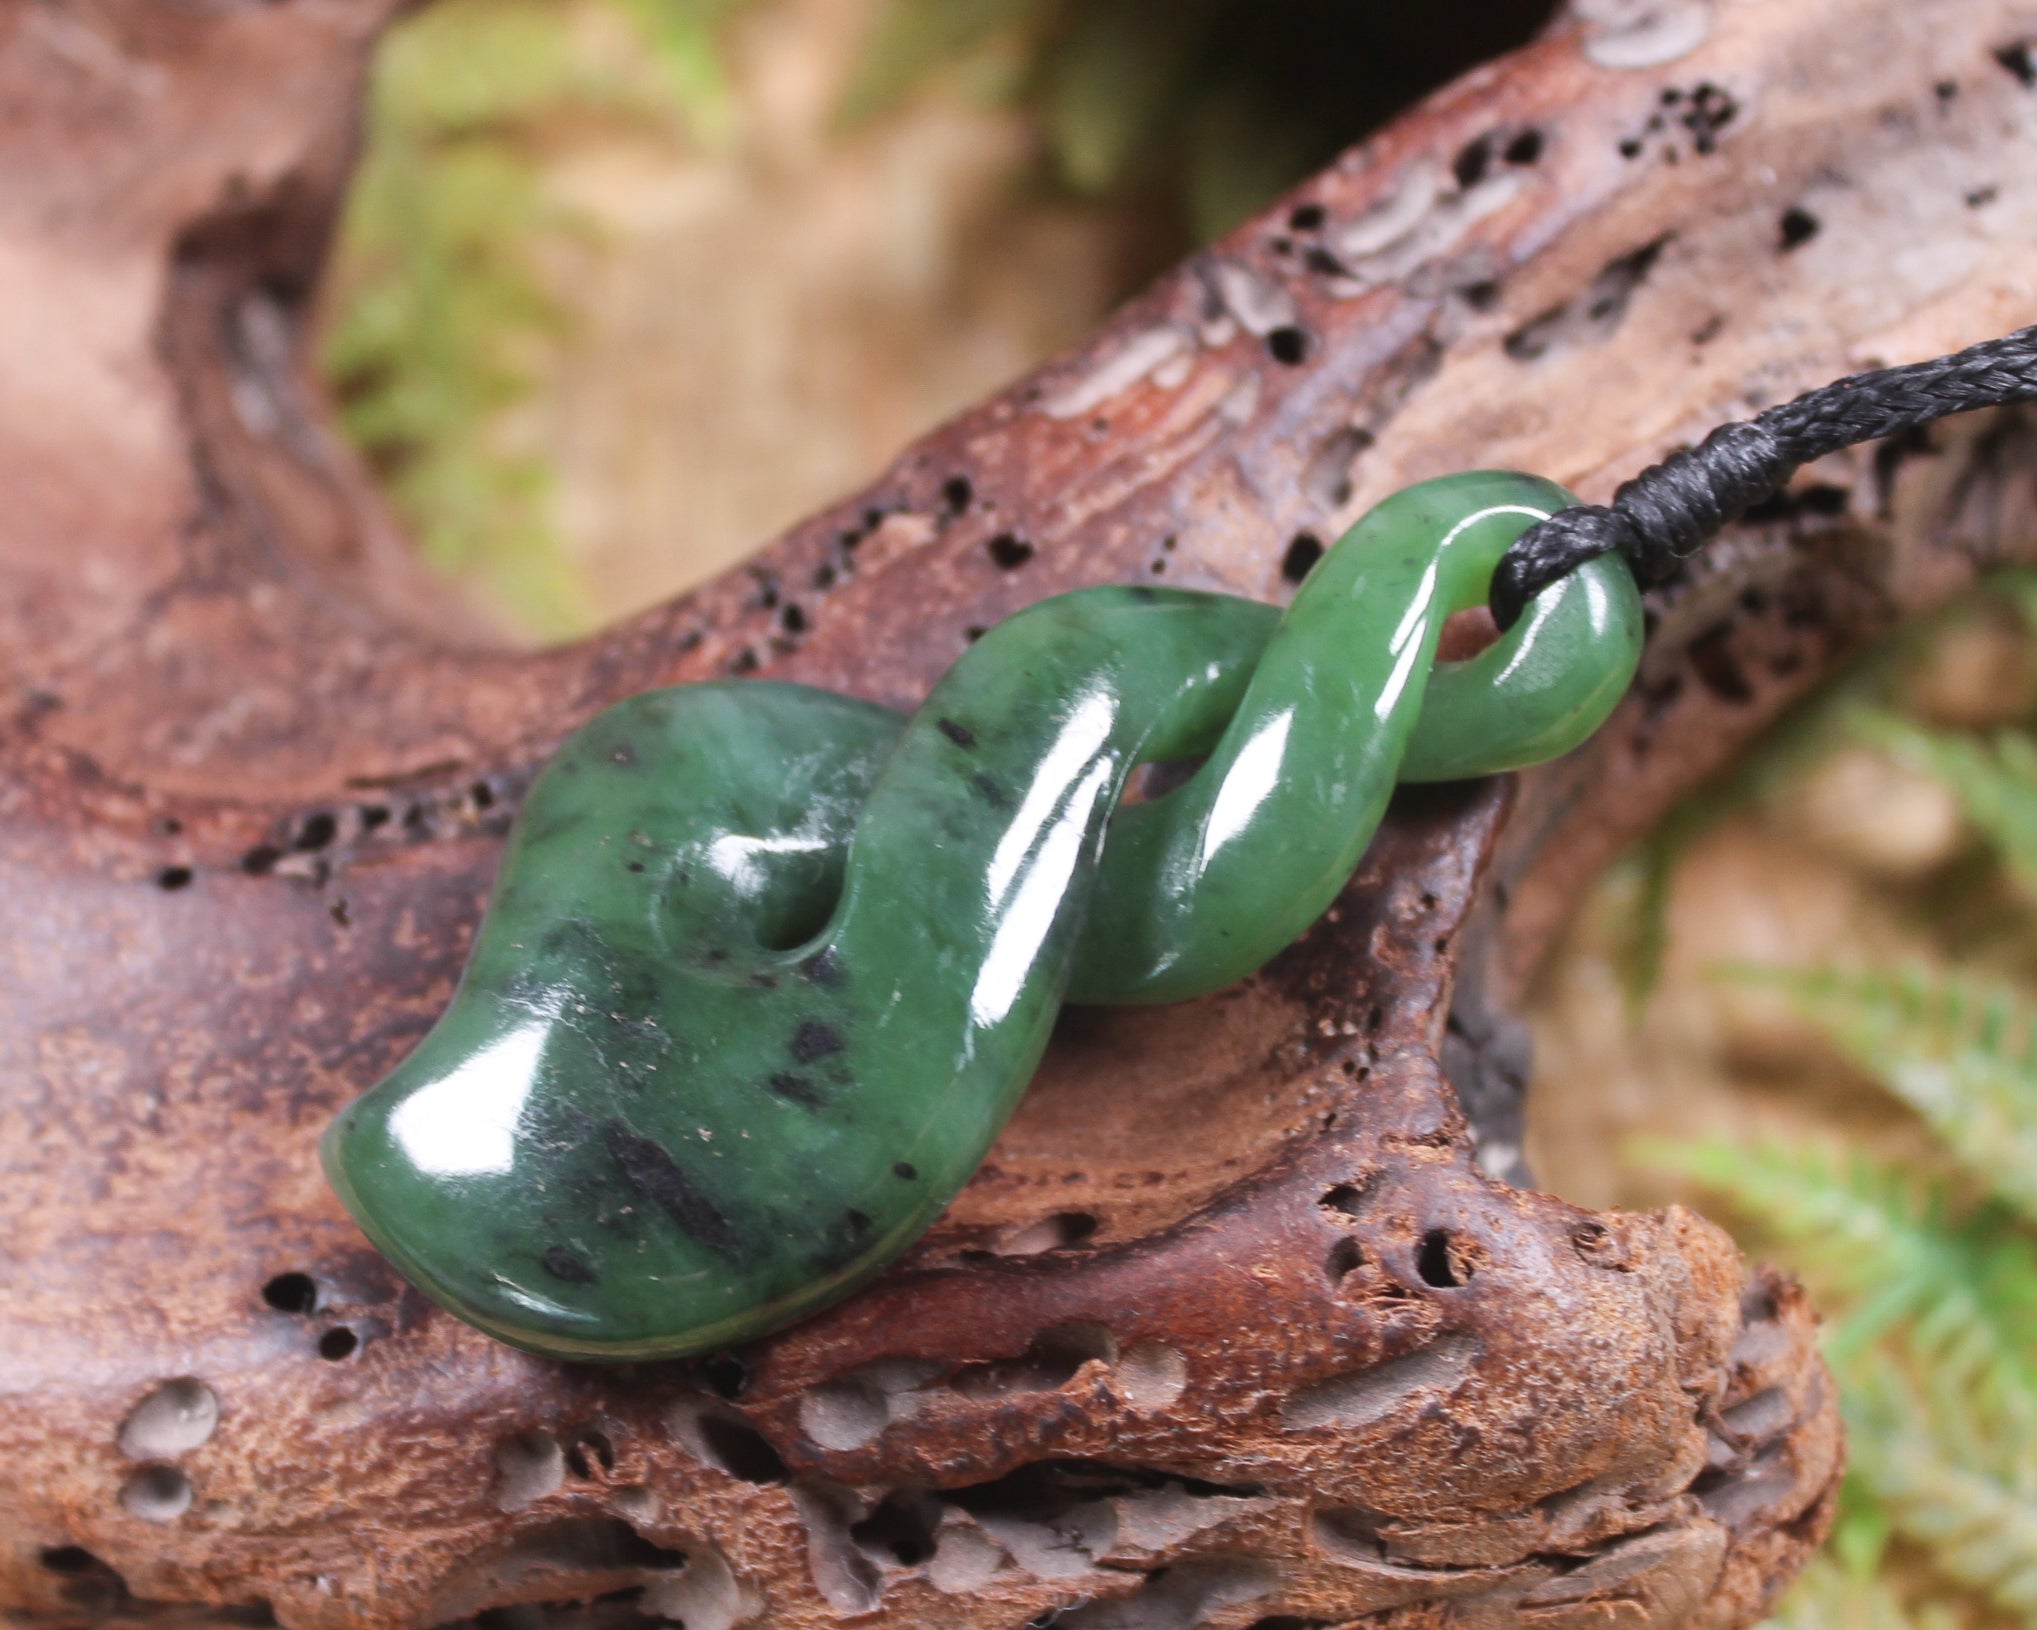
x: 1242, y: 1324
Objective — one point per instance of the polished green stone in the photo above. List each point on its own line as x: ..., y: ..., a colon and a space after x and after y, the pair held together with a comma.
x: 766, y: 969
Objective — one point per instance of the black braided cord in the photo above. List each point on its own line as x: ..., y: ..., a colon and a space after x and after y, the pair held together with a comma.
x: 1658, y: 519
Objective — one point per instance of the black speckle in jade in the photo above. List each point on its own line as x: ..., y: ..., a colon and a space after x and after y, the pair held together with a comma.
x: 796, y: 1089
x: 654, y: 1172
x: 565, y: 1267
x: 758, y: 988
x: 814, y: 1040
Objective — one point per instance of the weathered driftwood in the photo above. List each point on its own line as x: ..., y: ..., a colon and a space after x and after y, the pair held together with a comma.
x: 1240, y: 1325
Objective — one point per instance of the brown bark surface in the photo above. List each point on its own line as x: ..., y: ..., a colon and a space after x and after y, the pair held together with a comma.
x: 1242, y: 1324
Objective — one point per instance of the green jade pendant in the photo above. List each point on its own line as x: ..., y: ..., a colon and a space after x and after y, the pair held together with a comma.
x: 766, y: 969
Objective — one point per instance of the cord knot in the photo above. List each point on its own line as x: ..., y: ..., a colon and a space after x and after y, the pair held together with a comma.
x: 1658, y: 519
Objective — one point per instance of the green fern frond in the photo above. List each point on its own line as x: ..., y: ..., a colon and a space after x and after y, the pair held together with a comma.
x: 1881, y: 1241
x: 1952, y: 1466
x: 1831, y: 1597
x: 685, y: 41
x: 1644, y: 937
x: 1952, y: 1478
x: 1995, y: 780
x: 1960, y: 1051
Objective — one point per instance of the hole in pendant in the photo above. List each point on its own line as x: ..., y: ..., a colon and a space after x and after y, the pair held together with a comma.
x: 791, y: 896
x: 1465, y: 634
x: 1152, y: 781
x: 795, y: 922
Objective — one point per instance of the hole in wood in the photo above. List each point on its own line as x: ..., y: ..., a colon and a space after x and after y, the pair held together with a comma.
x: 900, y: 1530
x: 1797, y: 227
x: 1443, y: 1262
x: 527, y: 1467
x: 1009, y: 551
x: 172, y: 1419
x: 292, y: 1293
x: 157, y: 1494
x: 1301, y: 557
x: 740, y: 1450
x: 726, y: 1374
x: 1288, y: 346
x: 1055, y: 1233
x: 1049, y: 1362
x: 590, y: 1455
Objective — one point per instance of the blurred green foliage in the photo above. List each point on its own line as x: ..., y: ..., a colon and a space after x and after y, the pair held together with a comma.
x: 1186, y: 113
x: 1213, y: 106
x: 1929, y: 1263
x: 443, y: 310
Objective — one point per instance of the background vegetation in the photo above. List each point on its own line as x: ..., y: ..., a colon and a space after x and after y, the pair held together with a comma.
x: 1813, y: 992
x: 480, y: 247
x: 444, y: 313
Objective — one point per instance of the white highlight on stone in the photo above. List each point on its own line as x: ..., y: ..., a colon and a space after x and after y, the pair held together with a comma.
x: 464, y: 1124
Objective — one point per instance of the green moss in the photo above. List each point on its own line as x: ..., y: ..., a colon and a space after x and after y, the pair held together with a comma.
x: 444, y: 318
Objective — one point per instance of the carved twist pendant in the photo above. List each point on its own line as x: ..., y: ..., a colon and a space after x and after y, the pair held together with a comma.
x: 767, y: 969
